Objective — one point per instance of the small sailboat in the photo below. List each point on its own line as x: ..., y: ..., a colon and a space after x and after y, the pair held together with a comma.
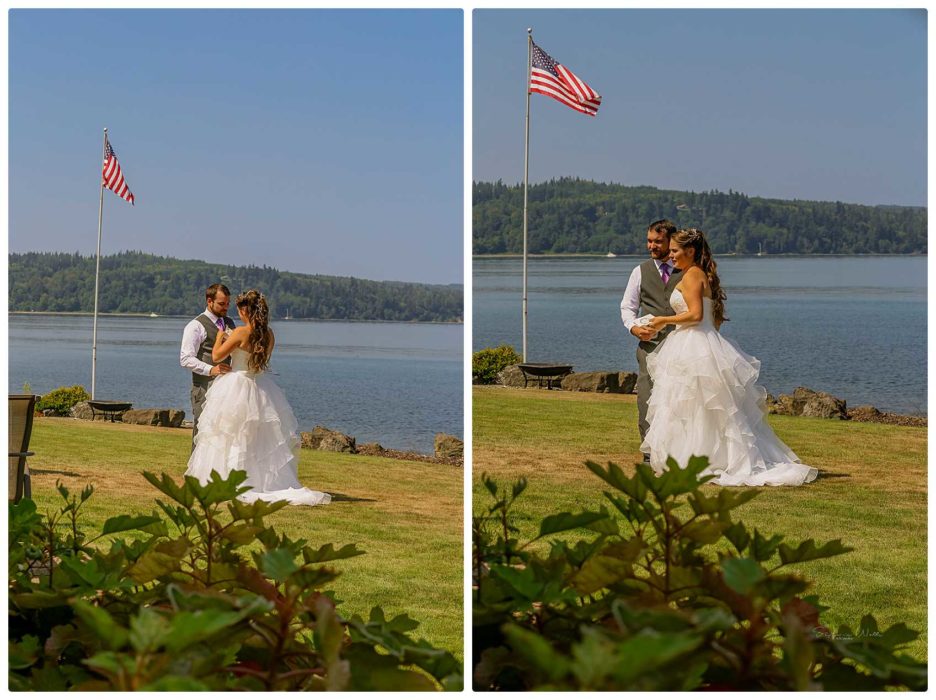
x: 153, y: 314
x: 287, y: 317
x: 760, y: 249
x: 610, y: 255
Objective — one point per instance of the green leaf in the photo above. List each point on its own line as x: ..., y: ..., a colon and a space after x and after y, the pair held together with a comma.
x: 148, y: 630
x: 24, y: 653
x: 241, y: 534
x: 122, y: 523
x: 329, y: 553
x: 762, y: 548
x: 523, y: 581
x: 100, y: 622
x: 808, y: 551
x: 152, y: 565
x: 648, y: 650
x: 704, y: 531
x: 537, y: 650
x: 562, y: 522
x: 738, y: 535
x: 742, y: 575
x: 175, y: 684
x: 278, y: 564
x: 329, y: 637
x: 189, y: 628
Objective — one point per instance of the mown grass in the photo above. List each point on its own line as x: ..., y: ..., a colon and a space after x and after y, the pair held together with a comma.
x: 407, y: 516
x: 871, y: 492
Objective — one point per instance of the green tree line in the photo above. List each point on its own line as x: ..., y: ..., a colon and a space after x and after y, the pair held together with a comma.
x: 136, y: 282
x: 571, y: 215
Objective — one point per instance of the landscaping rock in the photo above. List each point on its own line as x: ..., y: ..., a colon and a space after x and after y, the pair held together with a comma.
x: 627, y: 381
x: 510, y: 376
x: 818, y: 404
x: 448, y: 447
x: 599, y: 382
x: 82, y: 411
x: 370, y: 448
x: 322, y: 438
x: 164, y: 417
x: 868, y: 414
x: 809, y: 403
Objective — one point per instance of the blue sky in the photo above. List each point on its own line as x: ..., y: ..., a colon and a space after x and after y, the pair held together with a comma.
x: 804, y: 104
x: 314, y: 141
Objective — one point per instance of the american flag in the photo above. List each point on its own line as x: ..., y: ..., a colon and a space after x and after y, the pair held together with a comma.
x: 555, y: 80
x: 113, y: 178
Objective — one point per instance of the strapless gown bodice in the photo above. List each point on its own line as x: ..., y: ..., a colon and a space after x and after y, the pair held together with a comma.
x: 706, y: 401
x: 239, y: 360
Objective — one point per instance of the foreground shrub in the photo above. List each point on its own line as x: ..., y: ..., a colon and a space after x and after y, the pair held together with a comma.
x: 485, y: 364
x: 209, y: 598
x: 59, y: 402
x: 668, y: 593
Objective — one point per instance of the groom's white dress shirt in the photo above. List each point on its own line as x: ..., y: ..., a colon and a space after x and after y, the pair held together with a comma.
x: 193, y: 336
x: 630, y: 304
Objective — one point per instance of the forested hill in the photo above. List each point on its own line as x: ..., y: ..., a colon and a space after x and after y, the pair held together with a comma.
x: 570, y: 215
x: 134, y: 282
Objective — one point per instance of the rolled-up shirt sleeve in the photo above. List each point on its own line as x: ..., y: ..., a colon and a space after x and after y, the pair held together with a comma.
x: 630, y: 304
x: 193, y: 336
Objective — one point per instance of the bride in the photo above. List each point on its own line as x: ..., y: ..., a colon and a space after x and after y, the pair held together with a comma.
x: 705, y: 400
x: 247, y: 423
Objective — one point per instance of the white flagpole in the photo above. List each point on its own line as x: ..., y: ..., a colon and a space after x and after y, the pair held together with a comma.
x: 526, y: 179
x: 97, y: 271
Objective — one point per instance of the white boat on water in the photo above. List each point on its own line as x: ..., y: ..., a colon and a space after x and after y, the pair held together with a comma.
x: 760, y: 250
x: 610, y: 255
x: 153, y: 314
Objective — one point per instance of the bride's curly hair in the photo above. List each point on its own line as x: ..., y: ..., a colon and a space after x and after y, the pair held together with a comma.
x: 702, y: 256
x: 254, y: 305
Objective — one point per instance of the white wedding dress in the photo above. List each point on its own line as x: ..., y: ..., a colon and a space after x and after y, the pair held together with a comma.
x: 705, y: 402
x: 247, y: 424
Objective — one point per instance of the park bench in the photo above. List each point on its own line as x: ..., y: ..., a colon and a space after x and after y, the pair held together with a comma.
x: 110, y: 409
x: 543, y: 370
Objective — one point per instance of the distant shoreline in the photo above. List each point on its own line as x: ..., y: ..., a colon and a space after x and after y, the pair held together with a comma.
x: 275, y: 320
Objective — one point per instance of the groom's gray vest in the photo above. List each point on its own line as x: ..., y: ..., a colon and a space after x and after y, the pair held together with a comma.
x: 654, y: 299
x: 204, y: 350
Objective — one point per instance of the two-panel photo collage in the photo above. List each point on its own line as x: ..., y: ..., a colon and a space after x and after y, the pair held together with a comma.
x: 467, y: 349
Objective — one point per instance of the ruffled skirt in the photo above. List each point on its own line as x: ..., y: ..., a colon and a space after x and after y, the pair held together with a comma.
x: 247, y: 424
x: 706, y: 402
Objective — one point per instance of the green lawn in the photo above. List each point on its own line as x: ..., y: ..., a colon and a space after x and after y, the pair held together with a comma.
x: 407, y: 516
x: 871, y: 491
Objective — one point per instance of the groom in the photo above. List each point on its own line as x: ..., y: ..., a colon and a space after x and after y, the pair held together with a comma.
x: 648, y: 292
x: 198, y: 339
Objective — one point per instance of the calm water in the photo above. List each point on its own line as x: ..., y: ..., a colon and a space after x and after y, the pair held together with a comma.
x: 393, y: 383
x: 852, y: 326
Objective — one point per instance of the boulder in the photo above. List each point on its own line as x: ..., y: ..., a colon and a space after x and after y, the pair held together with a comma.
x: 600, y: 382
x: 627, y: 381
x: 322, y: 438
x: 164, y: 417
x: 782, y: 405
x: 809, y: 403
x: 370, y: 448
x: 82, y: 411
x: 865, y: 413
x: 510, y: 376
x: 818, y: 404
x: 448, y: 447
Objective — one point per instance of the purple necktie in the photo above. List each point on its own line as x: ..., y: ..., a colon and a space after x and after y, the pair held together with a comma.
x: 664, y: 272
x: 220, y: 324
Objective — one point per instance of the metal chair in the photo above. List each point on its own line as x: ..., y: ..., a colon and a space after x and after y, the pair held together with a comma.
x: 22, y: 407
